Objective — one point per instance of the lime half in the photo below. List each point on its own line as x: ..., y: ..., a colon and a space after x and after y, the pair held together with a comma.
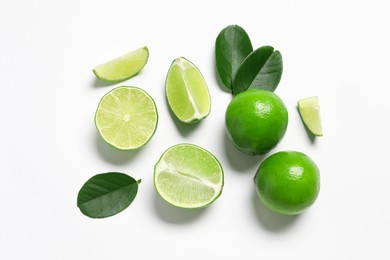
x: 124, y: 67
x: 309, y: 109
x: 188, y: 176
x: 126, y: 118
x: 187, y: 92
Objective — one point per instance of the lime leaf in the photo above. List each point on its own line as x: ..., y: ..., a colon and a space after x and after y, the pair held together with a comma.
x: 188, y: 176
x: 262, y: 69
x: 309, y: 109
x: 123, y: 67
x: 107, y: 194
x: 187, y: 93
x: 126, y: 118
x: 231, y: 48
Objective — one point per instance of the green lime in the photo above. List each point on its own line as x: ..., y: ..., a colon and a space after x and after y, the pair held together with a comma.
x: 309, y: 109
x: 126, y: 118
x: 256, y: 121
x: 123, y: 67
x: 288, y: 182
x: 188, y: 176
x: 187, y: 92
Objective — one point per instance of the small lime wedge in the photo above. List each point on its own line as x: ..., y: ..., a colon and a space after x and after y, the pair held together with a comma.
x: 309, y: 109
x: 124, y: 67
x: 187, y: 92
x: 126, y: 118
x: 188, y: 176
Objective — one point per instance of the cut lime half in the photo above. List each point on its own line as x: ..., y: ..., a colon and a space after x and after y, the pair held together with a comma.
x: 123, y: 67
x: 309, y: 109
x: 188, y: 176
x: 126, y: 118
x: 187, y: 92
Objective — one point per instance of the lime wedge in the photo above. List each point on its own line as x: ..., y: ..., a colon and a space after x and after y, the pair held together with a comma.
x: 187, y: 92
x: 126, y: 118
x: 124, y: 67
x: 309, y: 109
x: 188, y: 176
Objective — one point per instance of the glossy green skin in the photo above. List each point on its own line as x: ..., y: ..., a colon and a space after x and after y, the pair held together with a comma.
x: 256, y: 120
x: 288, y: 182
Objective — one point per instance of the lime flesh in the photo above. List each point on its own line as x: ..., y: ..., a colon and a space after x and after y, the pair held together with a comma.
x: 188, y: 176
x: 123, y: 67
x: 126, y: 118
x: 187, y: 92
x: 309, y: 109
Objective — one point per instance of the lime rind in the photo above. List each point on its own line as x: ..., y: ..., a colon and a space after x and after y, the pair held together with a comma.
x: 309, y: 109
x: 187, y: 92
x: 179, y: 181
x: 123, y: 67
x: 103, y: 115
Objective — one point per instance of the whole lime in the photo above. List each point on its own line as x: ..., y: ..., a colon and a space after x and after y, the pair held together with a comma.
x: 288, y: 182
x: 256, y: 120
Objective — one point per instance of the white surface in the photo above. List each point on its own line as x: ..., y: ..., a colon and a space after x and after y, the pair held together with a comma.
x: 338, y: 50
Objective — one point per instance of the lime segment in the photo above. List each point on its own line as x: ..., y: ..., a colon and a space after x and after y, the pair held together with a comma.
x: 309, y: 109
x: 126, y: 118
x: 187, y: 92
x: 124, y: 67
x: 188, y: 176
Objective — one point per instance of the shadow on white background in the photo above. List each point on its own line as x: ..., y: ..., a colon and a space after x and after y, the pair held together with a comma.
x: 238, y: 160
x: 113, y: 155
x: 174, y: 215
x: 269, y: 220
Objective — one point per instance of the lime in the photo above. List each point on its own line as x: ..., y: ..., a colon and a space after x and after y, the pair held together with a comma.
x: 126, y: 118
x: 309, y: 109
x: 187, y: 92
x: 188, y: 176
x: 256, y: 120
x: 124, y: 67
x: 288, y: 182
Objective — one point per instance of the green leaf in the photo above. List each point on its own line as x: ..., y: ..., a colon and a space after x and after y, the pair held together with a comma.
x: 107, y: 194
x: 231, y: 48
x: 262, y: 69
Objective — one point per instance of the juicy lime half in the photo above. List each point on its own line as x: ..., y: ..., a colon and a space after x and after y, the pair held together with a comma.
x: 188, y: 176
x: 126, y: 118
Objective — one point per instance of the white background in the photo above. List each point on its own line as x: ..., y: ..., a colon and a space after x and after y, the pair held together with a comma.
x: 338, y: 50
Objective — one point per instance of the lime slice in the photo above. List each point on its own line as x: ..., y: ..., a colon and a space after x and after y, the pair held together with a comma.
x: 126, y: 118
x: 188, y: 176
x: 309, y: 109
x: 187, y: 92
x: 124, y: 67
